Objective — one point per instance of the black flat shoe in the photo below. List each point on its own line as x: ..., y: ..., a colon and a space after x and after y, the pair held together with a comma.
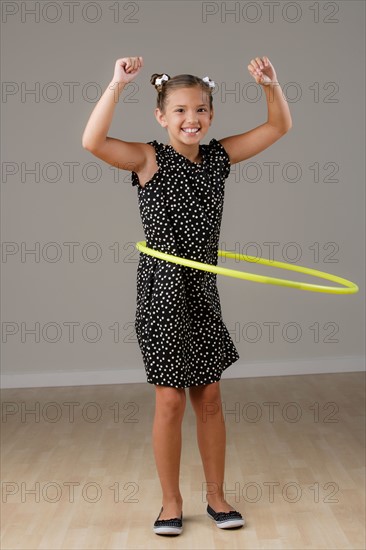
x: 172, y: 526
x: 226, y: 520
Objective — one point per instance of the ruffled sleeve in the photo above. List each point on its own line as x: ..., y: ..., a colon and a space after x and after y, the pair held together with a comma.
x: 134, y: 176
x: 220, y: 157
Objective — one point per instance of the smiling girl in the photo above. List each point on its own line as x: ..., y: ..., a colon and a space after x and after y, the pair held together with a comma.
x: 179, y: 326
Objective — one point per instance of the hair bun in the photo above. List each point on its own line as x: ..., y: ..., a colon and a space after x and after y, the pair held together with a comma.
x: 163, y: 78
x: 153, y: 78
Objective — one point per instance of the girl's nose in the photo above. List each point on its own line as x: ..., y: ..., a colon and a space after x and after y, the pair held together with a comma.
x: 192, y: 118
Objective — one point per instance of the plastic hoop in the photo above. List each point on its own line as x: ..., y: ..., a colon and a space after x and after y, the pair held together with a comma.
x: 349, y: 287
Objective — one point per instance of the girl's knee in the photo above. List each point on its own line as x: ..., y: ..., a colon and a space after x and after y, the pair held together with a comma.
x: 206, y: 400
x: 206, y: 393
x: 171, y: 401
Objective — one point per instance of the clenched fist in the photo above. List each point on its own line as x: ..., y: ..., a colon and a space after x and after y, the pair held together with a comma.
x: 127, y: 68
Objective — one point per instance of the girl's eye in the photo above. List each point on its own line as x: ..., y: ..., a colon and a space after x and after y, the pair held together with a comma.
x: 200, y: 109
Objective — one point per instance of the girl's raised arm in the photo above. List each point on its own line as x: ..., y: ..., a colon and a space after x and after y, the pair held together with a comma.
x: 122, y: 154
x: 243, y: 146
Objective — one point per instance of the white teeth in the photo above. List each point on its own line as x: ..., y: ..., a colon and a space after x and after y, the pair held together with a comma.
x: 190, y: 130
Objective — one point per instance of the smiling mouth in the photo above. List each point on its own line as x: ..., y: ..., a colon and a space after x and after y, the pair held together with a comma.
x: 190, y: 130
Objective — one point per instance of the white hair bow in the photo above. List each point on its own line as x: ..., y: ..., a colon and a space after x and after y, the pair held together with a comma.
x: 158, y: 81
x: 210, y: 82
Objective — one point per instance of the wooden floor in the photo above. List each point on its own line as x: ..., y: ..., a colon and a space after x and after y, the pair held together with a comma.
x: 78, y: 470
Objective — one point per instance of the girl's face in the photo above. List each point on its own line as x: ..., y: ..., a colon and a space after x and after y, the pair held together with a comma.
x: 187, y: 116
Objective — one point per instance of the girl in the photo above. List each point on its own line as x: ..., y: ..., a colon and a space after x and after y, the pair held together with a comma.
x: 183, y: 339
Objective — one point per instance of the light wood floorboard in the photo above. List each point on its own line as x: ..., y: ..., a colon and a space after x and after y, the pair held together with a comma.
x: 79, y: 472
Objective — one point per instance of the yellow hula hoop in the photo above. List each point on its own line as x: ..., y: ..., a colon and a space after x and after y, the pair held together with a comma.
x: 349, y: 287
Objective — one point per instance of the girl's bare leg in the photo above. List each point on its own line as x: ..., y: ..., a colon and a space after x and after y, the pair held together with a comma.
x: 167, y: 443
x: 211, y: 437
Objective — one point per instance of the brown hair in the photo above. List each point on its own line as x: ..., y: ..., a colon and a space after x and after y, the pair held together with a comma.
x: 179, y: 81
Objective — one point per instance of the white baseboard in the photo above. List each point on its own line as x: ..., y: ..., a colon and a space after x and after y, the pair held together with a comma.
x: 240, y: 369
x: 318, y: 365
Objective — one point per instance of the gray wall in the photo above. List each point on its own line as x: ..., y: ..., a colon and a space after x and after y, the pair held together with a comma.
x: 315, y: 200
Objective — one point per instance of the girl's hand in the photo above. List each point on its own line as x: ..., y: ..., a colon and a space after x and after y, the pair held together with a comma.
x: 127, y: 68
x: 262, y: 70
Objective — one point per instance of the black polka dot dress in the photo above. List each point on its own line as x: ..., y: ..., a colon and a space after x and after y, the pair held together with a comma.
x: 179, y: 326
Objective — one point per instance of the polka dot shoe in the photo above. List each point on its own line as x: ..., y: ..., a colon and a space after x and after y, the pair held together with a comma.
x: 226, y: 520
x: 173, y: 526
